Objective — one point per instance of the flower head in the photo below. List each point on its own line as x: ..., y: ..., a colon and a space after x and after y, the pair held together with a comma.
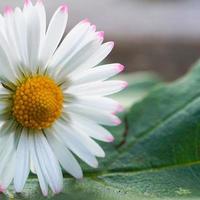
x: 53, y: 96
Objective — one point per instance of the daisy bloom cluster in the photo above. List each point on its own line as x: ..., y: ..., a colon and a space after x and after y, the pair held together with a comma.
x: 54, y: 96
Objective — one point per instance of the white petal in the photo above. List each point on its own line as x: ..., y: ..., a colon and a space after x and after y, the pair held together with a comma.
x: 77, y: 47
x: 102, y: 103
x: 91, y: 145
x: 6, y: 71
x: 70, y: 45
x: 42, y: 18
x: 6, y: 151
x: 82, y: 55
x: 37, y: 165
x: 22, y: 156
x: 91, y: 128
x: 12, y: 37
x: 7, y: 166
x: 5, y: 130
x: 7, y: 176
x: 72, y: 141
x: 33, y: 35
x: 97, y: 88
x: 21, y: 36
x: 2, y: 26
x: 99, y: 116
x: 7, y: 52
x: 49, y: 165
x: 99, y: 73
x: 66, y: 159
x: 32, y: 167
x: 95, y: 59
x: 3, y: 107
x: 54, y: 34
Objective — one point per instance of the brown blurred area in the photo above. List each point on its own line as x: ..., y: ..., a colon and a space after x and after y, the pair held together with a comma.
x: 159, y: 35
x: 170, y: 59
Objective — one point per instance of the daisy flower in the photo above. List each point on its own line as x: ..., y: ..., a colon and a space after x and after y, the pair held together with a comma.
x: 53, y: 96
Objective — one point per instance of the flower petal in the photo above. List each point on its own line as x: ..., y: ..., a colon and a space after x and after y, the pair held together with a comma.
x: 100, y: 88
x: 99, y: 116
x: 54, y: 34
x: 22, y: 157
x: 98, y: 56
x: 91, y: 145
x: 49, y: 165
x: 71, y: 44
x: 101, y: 103
x: 37, y: 165
x: 73, y: 142
x: 66, y: 159
x: 88, y: 126
x: 33, y: 35
x: 11, y: 35
x: 42, y: 18
x: 8, y: 165
x: 6, y: 61
x: 99, y: 73
x: 20, y: 33
x: 79, y: 58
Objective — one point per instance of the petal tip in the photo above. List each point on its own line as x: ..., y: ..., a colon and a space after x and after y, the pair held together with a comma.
x: 101, y: 34
x: 94, y: 28
x: 64, y: 8
x: 112, y: 44
x: 103, y: 155
x: 27, y: 2
x: 110, y: 138
x: 8, y: 10
x: 95, y: 165
x: 85, y: 21
x: 120, y: 68
x: 45, y: 193
x: 79, y: 177
x: 124, y: 84
x: 120, y: 108
x: 117, y: 122
x: 2, y: 189
x: 57, y: 191
x: 40, y: 2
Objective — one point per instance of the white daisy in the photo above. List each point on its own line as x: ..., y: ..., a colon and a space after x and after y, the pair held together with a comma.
x: 53, y: 98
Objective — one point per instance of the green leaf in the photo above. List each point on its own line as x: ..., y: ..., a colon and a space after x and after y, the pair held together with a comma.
x: 160, y: 156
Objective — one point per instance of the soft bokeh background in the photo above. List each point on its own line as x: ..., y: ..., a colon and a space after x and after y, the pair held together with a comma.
x: 159, y: 35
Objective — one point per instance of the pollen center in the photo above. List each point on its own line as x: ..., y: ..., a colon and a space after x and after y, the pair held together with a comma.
x: 37, y: 102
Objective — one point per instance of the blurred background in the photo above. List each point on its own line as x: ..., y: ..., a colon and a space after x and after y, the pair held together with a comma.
x: 158, y: 35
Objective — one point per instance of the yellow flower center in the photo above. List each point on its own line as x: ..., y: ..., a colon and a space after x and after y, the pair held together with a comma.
x: 37, y: 102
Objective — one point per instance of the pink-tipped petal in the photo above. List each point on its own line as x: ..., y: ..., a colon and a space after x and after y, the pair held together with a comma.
x: 120, y: 68
x: 27, y: 2
x: 8, y: 10
x: 114, y: 113
x: 101, y: 34
x: 124, y: 84
x: 120, y: 108
x: 85, y: 21
x: 64, y: 8
x: 112, y: 44
x: 110, y: 138
x: 117, y: 122
x: 2, y: 189
x: 94, y: 28
x: 40, y: 1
